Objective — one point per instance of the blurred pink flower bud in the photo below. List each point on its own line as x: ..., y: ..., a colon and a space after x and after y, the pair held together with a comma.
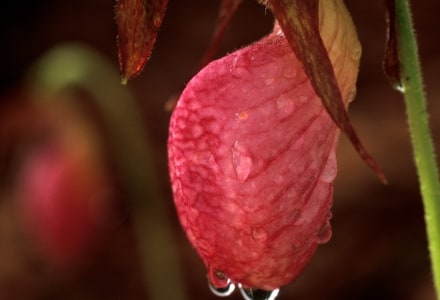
x: 66, y: 199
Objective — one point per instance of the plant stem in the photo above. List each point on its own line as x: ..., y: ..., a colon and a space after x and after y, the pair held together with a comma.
x: 73, y: 64
x: 423, y: 147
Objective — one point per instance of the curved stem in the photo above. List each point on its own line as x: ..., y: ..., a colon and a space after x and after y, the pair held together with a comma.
x: 76, y: 65
x: 423, y: 147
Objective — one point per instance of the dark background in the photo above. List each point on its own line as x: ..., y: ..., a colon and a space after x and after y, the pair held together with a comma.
x: 378, y: 249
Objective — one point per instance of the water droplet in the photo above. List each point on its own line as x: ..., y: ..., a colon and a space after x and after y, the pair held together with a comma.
x: 278, y: 31
x: 241, y: 116
x: 241, y: 161
x: 259, y: 234
x: 256, y: 294
x: 217, y: 278
x: 324, y: 233
x: 290, y: 72
x: 285, y: 106
x: 219, y: 284
x: 269, y: 81
x: 399, y: 87
x: 222, y: 292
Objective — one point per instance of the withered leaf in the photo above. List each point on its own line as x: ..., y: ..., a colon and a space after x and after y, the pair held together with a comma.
x: 299, y: 20
x: 138, y: 24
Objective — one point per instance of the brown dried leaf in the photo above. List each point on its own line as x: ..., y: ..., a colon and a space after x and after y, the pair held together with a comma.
x: 138, y: 24
x: 299, y: 20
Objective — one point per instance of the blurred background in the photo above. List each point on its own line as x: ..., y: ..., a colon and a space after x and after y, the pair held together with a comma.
x: 57, y: 148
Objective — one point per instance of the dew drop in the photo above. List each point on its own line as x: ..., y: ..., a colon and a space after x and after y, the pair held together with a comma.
x: 269, y: 81
x: 278, y: 31
x: 219, y: 284
x: 398, y: 86
x: 259, y: 234
x: 290, y: 72
x: 217, y: 278
x: 222, y: 292
x: 285, y: 106
x: 256, y: 294
x: 241, y: 161
x: 324, y: 233
x: 241, y: 116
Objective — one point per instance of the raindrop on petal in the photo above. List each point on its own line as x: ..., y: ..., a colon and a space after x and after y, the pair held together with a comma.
x: 256, y: 294
x: 290, y: 72
x: 241, y: 116
x: 285, y: 106
x: 259, y: 234
x: 241, y: 161
x: 269, y: 81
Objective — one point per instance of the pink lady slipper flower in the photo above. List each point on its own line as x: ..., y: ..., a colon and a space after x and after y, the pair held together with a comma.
x: 252, y: 157
x: 64, y: 193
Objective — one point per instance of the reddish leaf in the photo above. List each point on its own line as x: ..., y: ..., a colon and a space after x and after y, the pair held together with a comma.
x: 299, y: 21
x: 138, y: 24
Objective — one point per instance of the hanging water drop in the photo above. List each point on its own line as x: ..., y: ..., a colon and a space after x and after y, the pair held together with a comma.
x: 222, y: 292
x: 399, y: 87
x: 241, y: 161
x: 256, y: 294
x: 217, y: 278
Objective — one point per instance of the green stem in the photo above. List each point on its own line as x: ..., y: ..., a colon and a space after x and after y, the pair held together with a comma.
x: 77, y: 65
x: 423, y: 147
